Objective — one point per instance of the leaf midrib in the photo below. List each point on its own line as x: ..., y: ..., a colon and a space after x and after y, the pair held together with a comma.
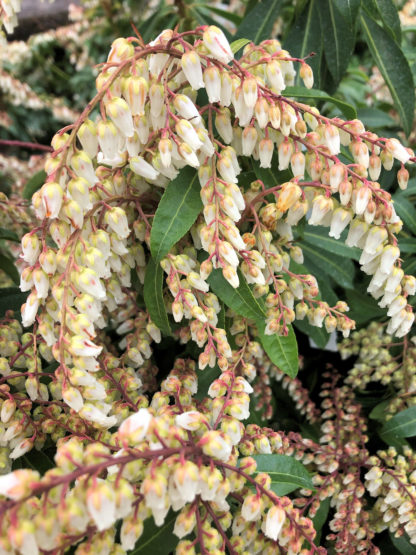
x: 158, y: 256
x: 393, y: 92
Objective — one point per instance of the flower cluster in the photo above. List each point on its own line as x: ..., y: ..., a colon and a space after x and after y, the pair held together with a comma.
x: 381, y: 359
x: 106, y: 280
x: 392, y: 479
x: 182, y: 456
x: 150, y: 127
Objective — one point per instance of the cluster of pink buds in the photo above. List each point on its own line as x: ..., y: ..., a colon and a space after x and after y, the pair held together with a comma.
x: 103, y: 187
x: 182, y: 456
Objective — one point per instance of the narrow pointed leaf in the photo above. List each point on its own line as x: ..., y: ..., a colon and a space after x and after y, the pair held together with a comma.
x: 403, y: 545
x: 302, y: 92
x: 349, y: 9
x: 258, y: 24
x: 338, y: 39
x: 340, y: 269
x: 238, y: 44
x: 393, y: 66
x: 402, y: 424
x: 390, y: 18
x: 34, y: 183
x: 157, y: 540
x: 282, y: 350
x: 8, y: 235
x: 287, y: 473
x: 305, y: 37
x: 8, y: 267
x: 408, y: 244
x: 153, y: 296
x: 319, y: 237
x: 241, y: 299
x: 406, y: 210
x: 177, y: 211
x: 11, y: 298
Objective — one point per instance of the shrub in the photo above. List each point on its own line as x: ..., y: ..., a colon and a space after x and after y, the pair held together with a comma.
x: 168, y: 258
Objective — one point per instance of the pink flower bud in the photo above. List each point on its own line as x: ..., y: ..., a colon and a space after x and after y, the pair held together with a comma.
x: 52, y: 195
x: 214, y: 444
x: 135, y: 91
x: 134, y: 428
x: 30, y: 248
x: 275, y: 76
x: 139, y: 166
x: 398, y: 151
x: 191, y: 66
x: 87, y: 135
x: 116, y: 219
x: 272, y: 525
x: 118, y: 110
x: 265, y: 153
x: 212, y: 79
x: 250, y: 92
x: 188, y: 134
x: 217, y: 44
x: 29, y: 310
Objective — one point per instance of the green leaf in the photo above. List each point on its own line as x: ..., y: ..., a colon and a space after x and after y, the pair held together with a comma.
x: 282, y: 350
x: 8, y: 235
x: 394, y: 441
x: 205, y: 379
x: 38, y: 460
x: 221, y: 316
x: 329, y: 264
x: 407, y: 244
x: 177, y: 211
x: 363, y: 308
x: 258, y: 24
x: 403, y: 544
x: 319, y: 335
x: 287, y: 473
x: 153, y: 296
x: 379, y: 411
x: 271, y: 176
x: 34, y: 183
x: 373, y: 118
x: 409, y: 266
x: 305, y: 37
x: 241, y: 299
x: 157, y: 540
x: 393, y: 66
x: 238, y: 44
x: 302, y: 92
x: 411, y: 188
x: 320, y: 518
x: 11, y: 298
x: 406, y: 210
x: 338, y: 39
x: 390, y: 17
x: 226, y: 14
x: 403, y: 424
x: 318, y: 236
x: 7, y: 265
x: 349, y: 9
